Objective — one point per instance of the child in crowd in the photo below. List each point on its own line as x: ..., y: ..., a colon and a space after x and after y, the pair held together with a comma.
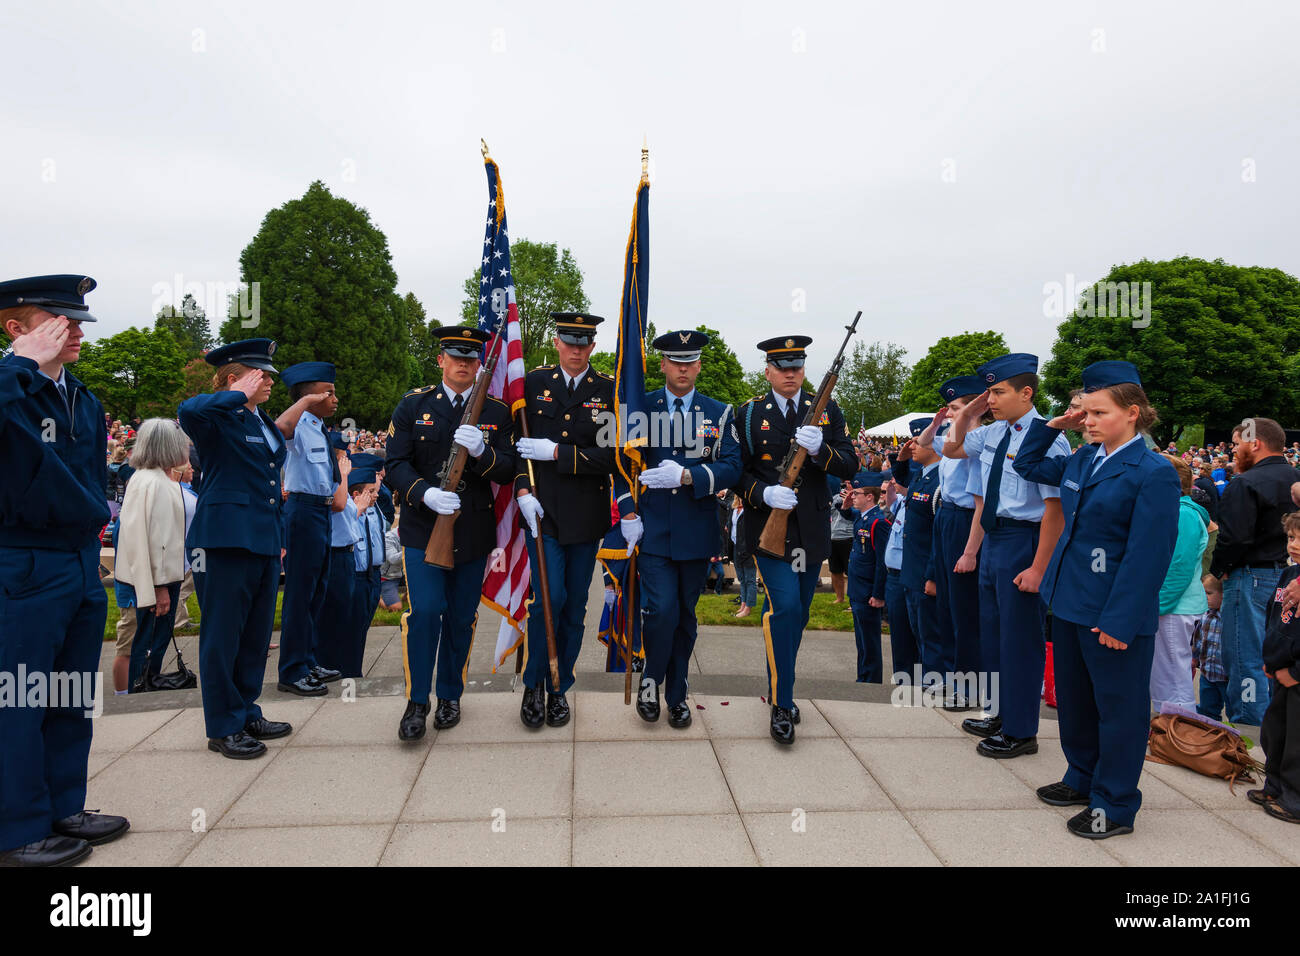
x: 1207, y: 655
x: 1280, y: 729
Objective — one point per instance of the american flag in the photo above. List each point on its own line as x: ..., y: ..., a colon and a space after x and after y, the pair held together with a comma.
x: 862, y: 429
x: 505, y: 583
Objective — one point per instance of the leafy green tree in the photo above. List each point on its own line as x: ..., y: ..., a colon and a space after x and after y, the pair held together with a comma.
x: 1214, y: 343
x: 755, y: 383
x: 134, y: 373
x: 950, y: 356
x: 422, y: 347
x: 328, y: 292
x: 188, y: 326
x: 870, y: 385
x: 196, y: 379
x: 547, y: 280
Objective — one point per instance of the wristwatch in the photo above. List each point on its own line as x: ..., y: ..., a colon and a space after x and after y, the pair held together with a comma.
x: 686, y: 478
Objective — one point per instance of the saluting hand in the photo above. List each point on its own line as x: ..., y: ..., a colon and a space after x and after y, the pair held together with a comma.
x: 977, y: 407
x: 250, y: 383
x: 905, y: 453
x: 345, y: 467
x: 1072, y: 420
x: 43, y: 343
x: 1107, y: 641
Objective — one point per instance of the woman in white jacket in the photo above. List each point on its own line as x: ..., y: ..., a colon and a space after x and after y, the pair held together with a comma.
x: 151, y: 542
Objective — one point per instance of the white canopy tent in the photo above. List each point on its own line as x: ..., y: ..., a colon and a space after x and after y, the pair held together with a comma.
x: 897, y: 427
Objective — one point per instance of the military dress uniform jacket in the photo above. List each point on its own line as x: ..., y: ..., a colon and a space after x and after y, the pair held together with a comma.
x: 55, y: 470
x: 683, y: 523
x: 1121, y: 524
x: 574, y: 489
x: 764, y: 440
x: 239, y: 503
x: 420, y: 440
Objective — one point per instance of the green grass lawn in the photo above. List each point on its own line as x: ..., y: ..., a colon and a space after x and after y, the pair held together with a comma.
x: 824, y: 616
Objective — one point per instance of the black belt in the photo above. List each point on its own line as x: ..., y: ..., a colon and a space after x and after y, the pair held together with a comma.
x: 346, y: 547
x: 892, y: 571
x: 1269, y: 565
x: 1014, y: 523
x: 945, y: 503
x: 322, y: 500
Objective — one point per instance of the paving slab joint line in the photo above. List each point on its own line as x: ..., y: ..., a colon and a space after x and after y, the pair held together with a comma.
x: 402, y: 809
x: 272, y: 754
x: 725, y: 779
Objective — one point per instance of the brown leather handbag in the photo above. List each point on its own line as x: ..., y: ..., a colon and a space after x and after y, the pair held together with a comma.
x: 1205, y: 748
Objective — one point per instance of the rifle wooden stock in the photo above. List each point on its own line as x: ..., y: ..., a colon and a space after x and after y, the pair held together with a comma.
x: 542, y: 582
x: 440, y: 551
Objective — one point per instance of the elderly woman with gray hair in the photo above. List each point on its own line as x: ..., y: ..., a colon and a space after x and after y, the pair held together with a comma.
x: 151, y: 544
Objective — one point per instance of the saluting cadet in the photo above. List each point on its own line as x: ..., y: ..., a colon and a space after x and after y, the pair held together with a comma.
x: 904, y: 647
x: 957, y: 539
x: 376, y: 459
x: 52, y: 603
x: 767, y: 425
x: 692, y: 455
x: 867, y: 574
x: 918, y: 556
x: 370, y: 555
x: 334, y: 633
x: 567, y: 407
x: 316, y: 488
x: 234, y: 543
x: 1021, y: 522
x: 1120, y: 505
x: 438, y: 627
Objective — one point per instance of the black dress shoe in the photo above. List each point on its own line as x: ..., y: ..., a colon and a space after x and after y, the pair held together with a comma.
x: 647, y: 700
x: 1085, y: 824
x: 533, y: 710
x: 304, y: 687
x: 324, y: 675
x: 638, y: 665
x: 782, y: 726
x: 263, y: 729
x: 957, y: 704
x: 238, y: 746
x: 1059, y: 795
x: 447, y: 715
x: 52, y: 851
x: 411, y: 726
x: 94, y: 828
x: 557, y: 710
x: 794, y: 713
x: 679, y: 715
x: 982, y: 726
x: 1002, y: 746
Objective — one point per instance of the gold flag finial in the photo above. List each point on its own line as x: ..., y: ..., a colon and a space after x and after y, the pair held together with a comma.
x: 485, y: 148
x: 645, y: 159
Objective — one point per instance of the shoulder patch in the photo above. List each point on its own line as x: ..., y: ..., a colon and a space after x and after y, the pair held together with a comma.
x: 493, y: 398
x: 608, y: 378
x: 418, y: 391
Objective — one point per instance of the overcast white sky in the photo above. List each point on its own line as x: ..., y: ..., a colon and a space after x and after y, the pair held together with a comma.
x: 932, y: 164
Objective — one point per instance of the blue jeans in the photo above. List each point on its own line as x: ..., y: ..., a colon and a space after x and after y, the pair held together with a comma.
x: 1214, y: 695
x: 152, y: 635
x: 1246, y: 595
x: 747, y: 577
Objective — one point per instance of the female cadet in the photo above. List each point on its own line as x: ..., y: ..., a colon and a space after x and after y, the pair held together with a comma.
x: 1120, y: 505
x: 234, y: 544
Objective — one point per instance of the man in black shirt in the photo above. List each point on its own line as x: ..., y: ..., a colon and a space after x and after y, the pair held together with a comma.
x: 1249, y: 556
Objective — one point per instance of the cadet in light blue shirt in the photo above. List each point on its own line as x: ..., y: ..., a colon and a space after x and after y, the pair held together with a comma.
x: 334, y: 626
x: 905, y: 649
x: 370, y: 555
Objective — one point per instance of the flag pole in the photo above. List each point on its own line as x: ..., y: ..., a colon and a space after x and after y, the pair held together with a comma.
x: 630, y: 597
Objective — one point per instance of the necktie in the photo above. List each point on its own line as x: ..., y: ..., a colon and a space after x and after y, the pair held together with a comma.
x: 63, y: 393
x: 790, y: 415
x: 994, y: 490
x: 458, y: 406
x: 335, y: 475
x: 570, y: 388
x: 679, y: 425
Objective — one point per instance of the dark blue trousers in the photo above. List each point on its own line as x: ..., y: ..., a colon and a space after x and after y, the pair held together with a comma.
x: 669, y: 592
x: 52, y: 612
x: 236, y: 591
x: 904, y: 647
x: 439, y: 626
x: 306, y: 576
x: 335, y: 633
x: 787, y: 595
x: 866, y: 633
x: 152, y: 635
x: 1012, y: 645
x: 365, y: 598
x: 958, y: 594
x: 923, y: 617
x: 1104, y: 708
x: 569, y: 569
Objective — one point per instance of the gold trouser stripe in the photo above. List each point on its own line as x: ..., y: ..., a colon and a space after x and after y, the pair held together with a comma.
x: 767, y: 637
x: 473, y: 632
x: 406, y: 664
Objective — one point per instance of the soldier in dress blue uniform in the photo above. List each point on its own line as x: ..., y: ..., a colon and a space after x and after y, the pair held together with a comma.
x: 693, y: 453
x: 867, y: 573
x: 1120, y: 503
x: 919, y: 588
x: 567, y: 407
x: 1021, y: 522
x: 439, y: 625
x: 767, y: 425
x: 234, y: 541
x: 370, y: 554
x: 52, y: 603
x: 316, y: 488
x: 334, y: 632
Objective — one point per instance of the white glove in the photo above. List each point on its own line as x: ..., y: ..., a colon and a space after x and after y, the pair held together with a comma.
x: 668, y: 474
x: 632, y: 529
x: 532, y: 511
x: 779, y: 497
x: 443, y: 502
x: 809, y: 438
x: 471, y: 439
x: 536, y: 449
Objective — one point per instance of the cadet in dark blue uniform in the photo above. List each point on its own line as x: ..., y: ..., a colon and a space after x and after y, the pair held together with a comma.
x: 52, y: 603
x: 904, y: 647
x: 918, y: 557
x: 692, y: 455
x: 767, y: 425
x: 567, y: 407
x: 867, y: 574
x: 1120, y: 503
x: 1021, y: 522
x: 439, y: 626
x: 316, y: 488
x: 234, y: 543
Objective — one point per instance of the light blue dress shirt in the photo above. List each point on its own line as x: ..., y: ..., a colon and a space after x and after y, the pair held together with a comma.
x: 954, y: 477
x: 1018, y: 499
x: 1100, y: 455
x: 370, y: 549
x: 307, y: 467
x: 345, y: 526
x: 894, y: 549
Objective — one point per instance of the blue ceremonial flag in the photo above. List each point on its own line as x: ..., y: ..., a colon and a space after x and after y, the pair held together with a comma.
x: 629, y: 369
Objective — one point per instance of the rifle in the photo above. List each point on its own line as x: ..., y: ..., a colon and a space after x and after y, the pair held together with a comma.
x: 439, y: 550
x: 772, y: 541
